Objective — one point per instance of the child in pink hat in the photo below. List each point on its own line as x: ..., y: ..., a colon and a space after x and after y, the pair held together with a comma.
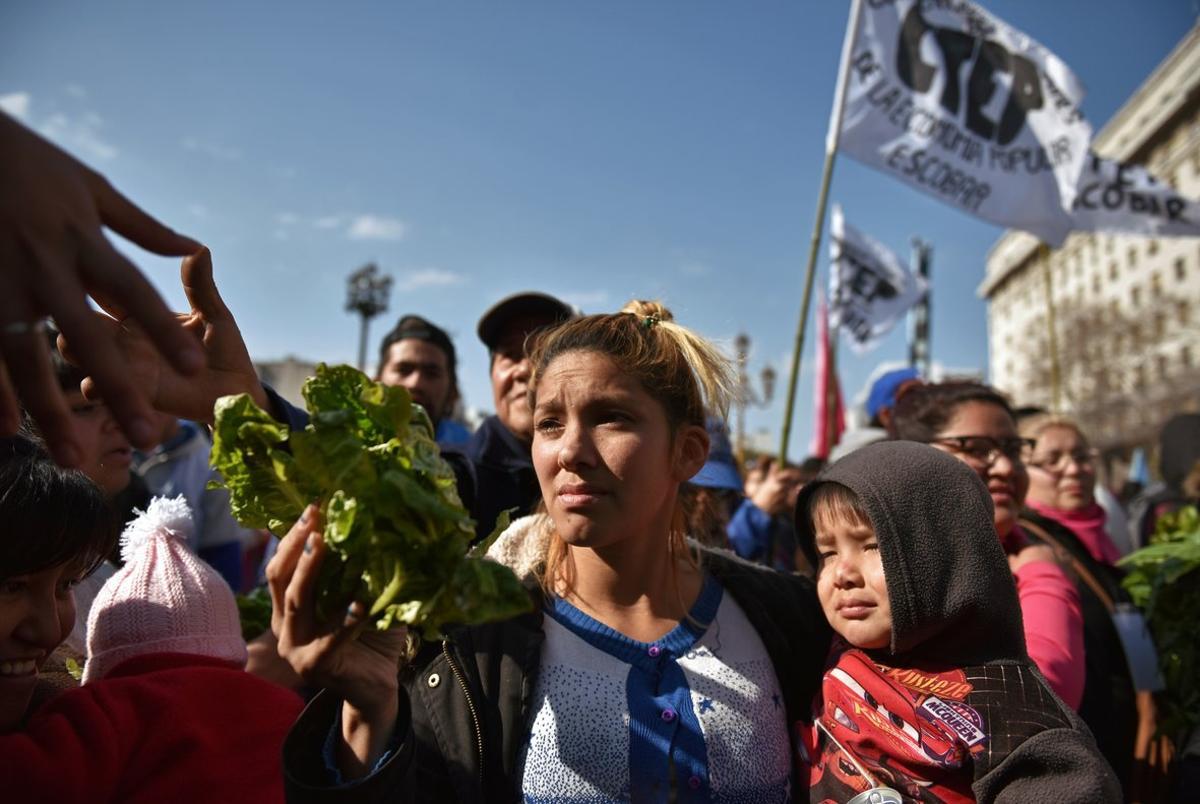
x: 166, y: 712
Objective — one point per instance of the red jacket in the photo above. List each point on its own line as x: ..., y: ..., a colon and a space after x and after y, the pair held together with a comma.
x: 164, y: 727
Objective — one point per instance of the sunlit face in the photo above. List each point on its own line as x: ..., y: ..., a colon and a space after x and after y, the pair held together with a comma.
x: 1062, y: 472
x: 850, y: 580
x: 1006, y: 479
x: 106, y: 453
x: 510, y: 375
x: 603, y: 451
x: 37, y: 612
x: 423, y: 369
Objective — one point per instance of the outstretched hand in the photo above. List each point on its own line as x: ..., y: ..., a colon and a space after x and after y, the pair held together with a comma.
x: 228, y: 370
x: 53, y: 255
x: 345, y: 655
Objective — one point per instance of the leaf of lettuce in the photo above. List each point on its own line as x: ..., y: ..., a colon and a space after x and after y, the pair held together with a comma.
x: 396, y: 529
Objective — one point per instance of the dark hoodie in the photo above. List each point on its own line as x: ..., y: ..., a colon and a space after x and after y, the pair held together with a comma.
x: 983, y: 720
x: 1179, y: 453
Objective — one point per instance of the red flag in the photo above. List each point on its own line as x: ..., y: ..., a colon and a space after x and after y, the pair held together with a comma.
x: 829, y: 420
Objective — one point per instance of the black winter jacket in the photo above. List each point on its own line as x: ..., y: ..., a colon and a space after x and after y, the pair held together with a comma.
x: 504, y: 476
x: 465, y: 701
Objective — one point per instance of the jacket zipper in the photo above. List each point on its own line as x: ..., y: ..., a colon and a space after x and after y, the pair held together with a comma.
x: 462, y: 683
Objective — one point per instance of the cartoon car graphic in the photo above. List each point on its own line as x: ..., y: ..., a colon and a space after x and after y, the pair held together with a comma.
x: 855, y: 692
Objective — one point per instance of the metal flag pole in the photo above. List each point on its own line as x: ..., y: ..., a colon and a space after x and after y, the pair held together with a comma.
x: 918, y: 317
x: 831, y: 143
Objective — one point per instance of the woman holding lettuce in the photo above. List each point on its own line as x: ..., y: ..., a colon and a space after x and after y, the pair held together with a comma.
x: 647, y: 667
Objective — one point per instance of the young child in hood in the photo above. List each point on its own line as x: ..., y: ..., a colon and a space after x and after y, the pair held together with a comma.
x: 929, y: 690
x: 166, y: 712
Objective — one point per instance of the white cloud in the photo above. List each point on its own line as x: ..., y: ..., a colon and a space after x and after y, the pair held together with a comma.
x: 220, y: 152
x: 374, y: 227
x: 587, y: 299
x: 75, y: 91
x: 428, y: 278
x: 328, y: 222
x: 16, y: 104
x: 287, y: 218
x: 80, y: 136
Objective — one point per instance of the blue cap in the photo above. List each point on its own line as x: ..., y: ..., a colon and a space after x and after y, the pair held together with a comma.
x: 883, y: 392
x: 720, y: 470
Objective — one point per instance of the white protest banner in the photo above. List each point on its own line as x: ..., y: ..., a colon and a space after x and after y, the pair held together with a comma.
x: 1114, y: 197
x: 870, y: 288
x: 957, y: 103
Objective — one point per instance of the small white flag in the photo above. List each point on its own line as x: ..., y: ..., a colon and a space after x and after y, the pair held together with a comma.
x: 870, y: 288
x: 957, y: 103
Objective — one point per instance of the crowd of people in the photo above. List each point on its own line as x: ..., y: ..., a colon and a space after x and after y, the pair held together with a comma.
x: 927, y: 616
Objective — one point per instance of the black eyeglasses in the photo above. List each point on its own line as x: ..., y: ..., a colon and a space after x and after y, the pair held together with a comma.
x: 985, y: 450
x: 1057, y: 461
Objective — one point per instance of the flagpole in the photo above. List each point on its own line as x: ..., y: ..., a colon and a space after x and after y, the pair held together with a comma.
x: 832, y: 388
x: 831, y: 143
x: 1052, y: 338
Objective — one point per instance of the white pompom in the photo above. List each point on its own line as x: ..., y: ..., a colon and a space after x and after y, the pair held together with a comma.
x: 166, y: 516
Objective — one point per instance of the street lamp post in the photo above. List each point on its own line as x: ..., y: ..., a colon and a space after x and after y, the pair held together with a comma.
x: 746, y: 394
x: 367, y: 294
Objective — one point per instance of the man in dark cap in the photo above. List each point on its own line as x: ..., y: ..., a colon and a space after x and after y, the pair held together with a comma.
x: 420, y: 357
x: 500, y: 448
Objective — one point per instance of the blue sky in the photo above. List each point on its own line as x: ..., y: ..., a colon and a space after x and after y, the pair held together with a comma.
x: 594, y: 150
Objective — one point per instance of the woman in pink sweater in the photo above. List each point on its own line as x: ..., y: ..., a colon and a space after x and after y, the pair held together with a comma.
x: 975, y: 424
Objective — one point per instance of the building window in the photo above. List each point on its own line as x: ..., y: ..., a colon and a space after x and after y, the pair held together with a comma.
x: 1135, y: 336
x: 1095, y: 284
x: 1185, y: 356
x: 1155, y: 284
x: 1112, y: 271
x: 1180, y: 270
x: 1162, y: 366
x: 1184, y: 312
x: 1109, y: 242
x: 1160, y: 321
x: 1132, y: 257
x: 1139, y: 376
x: 1135, y: 296
x: 1152, y: 247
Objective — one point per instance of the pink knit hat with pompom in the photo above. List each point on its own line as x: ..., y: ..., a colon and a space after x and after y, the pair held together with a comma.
x: 164, y: 600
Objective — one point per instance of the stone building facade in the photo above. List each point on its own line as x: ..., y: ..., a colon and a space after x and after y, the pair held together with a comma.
x: 1126, y: 308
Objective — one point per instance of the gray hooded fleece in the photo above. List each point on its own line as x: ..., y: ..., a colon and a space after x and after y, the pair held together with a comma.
x: 954, y: 605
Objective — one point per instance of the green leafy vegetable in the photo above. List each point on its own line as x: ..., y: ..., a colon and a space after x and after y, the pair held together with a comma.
x: 1164, y: 582
x: 73, y: 669
x: 398, y: 534
x: 254, y: 610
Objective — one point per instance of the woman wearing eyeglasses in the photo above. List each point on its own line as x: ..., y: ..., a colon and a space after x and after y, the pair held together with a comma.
x: 975, y: 424
x: 1062, y: 482
x: 1062, y: 512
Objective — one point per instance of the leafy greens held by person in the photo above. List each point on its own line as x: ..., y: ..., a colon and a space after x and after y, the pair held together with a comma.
x: 398, y: 534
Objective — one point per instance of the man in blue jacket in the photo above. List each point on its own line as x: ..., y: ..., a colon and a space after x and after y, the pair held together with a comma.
x: 420, y: 356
